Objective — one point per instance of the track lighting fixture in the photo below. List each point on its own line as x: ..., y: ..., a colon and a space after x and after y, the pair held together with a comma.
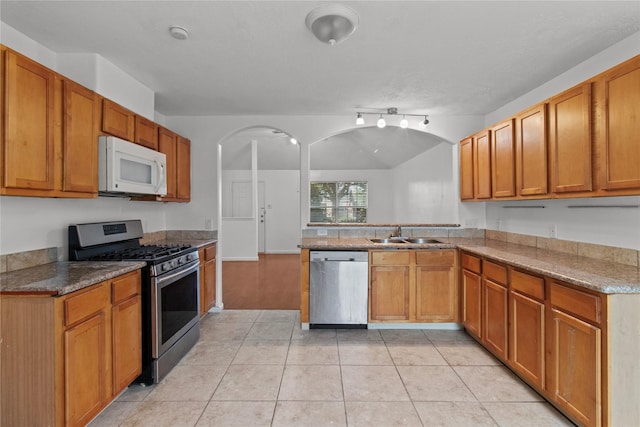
x: 392, y: 111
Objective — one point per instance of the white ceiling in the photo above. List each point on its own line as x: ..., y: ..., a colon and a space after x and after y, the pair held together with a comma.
x: 257, y: 57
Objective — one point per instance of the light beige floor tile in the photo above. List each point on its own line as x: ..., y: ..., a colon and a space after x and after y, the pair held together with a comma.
x: 135, y: 393
x: 316, y: 352
x: 530, y: 414
x: 434, y: 383
x: 212, y: 353
x: 309, y: 414
x: 300, y: 382
x: 313, y: 334
x: 277, y: 316
x: 416, y: 353
x: 237, y: 414
x: 468, y: 353
x: 233, y: 316
x: 495, y: 383
x: 372, y: 384
x: 250, y: 382
x: 165, y: 414
x: 262, y: 352
x: 454, y: 414
x: 270, y: 331
x: 114, y: 414
x: 403, y: 335
x: 367, y: 414
x: 364, y: 353
x: 443, y: 336
x: 352, y: 335
x: 188, y: 383
x: 224, y: 331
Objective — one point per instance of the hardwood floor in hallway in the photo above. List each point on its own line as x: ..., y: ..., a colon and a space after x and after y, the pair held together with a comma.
x: 272, y: 282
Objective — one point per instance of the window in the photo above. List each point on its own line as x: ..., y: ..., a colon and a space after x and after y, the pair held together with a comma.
x: 338, y: 202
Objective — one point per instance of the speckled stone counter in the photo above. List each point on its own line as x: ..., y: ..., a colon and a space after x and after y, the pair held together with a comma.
x: 60, y: 278
x: 601, y: 276
x: 198, y: 243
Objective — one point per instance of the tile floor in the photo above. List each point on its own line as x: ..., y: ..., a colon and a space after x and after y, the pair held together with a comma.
x: 257, y: 368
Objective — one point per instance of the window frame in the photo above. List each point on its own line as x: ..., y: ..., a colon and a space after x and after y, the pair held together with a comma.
x: 339, y: 212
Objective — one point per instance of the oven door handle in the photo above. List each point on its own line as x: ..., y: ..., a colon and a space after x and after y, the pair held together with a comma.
x: 177, y: 275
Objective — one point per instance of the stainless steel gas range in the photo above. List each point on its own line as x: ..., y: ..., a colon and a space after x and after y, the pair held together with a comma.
x: 170, y: 289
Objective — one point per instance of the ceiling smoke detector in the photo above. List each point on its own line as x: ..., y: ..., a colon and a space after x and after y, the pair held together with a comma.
x: 178, y: 33
x: 332, y: 23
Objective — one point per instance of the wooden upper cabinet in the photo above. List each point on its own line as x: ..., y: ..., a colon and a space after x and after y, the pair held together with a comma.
x: 28, y: 157
x: 482, y: 164
x: 503, y: 156
x: 619, y: 126
x: 570, y: 140
x: 183, y: 168
x: 466, y: 169
x: 81, y: 109
x: 531, y: 152
x: 146, y: 133
x: 117, y: 120
x: 167, y: 145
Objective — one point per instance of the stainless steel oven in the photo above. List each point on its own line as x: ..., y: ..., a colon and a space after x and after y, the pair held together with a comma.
x: 174, y: 303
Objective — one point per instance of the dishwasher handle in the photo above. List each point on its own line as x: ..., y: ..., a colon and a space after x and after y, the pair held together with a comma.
x: 339, y: 256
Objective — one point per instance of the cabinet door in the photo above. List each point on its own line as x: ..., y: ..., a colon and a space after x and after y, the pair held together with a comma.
x: 207, y: 278
x: 390, y: 293
x: 503, y: 156
x: 85, y: 369
x: 472, y: 302
x: 575, y: 368
x: 167, y: 145
x: 183, y: 169
x: 436, y: 286
x: 28, y: 137
x: 526, y: 346
x: 146, y: 133
x: 466, y: 169
x: 117, y: 120
x: 494, y: 332
x: 126, y: 321
x: 570, y: 140
x: 482, y: 165
x: 531, y: 152
x: 621, y: 126
x: 79, y: 139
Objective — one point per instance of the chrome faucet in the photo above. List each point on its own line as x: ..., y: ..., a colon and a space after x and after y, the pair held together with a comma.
x: 397, y: 232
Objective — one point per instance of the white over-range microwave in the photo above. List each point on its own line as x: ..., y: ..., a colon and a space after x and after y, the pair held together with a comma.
x: 125, y: 168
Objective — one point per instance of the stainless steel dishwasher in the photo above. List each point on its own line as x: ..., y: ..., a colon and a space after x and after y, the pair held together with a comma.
x: 338, y: 289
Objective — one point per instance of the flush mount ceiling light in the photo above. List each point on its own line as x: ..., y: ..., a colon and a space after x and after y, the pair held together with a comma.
x: 178, y: 33
x: 332, y: 23
x: 392, y: 111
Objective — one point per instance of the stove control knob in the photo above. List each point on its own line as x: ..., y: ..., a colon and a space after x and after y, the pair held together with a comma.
x: 164, y: 267
x: 174, y: 263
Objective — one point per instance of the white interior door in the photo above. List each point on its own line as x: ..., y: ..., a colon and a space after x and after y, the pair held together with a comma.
x: 262, y: 220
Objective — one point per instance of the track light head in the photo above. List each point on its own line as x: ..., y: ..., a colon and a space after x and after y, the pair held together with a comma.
x: 359, y: 120
x: 381, y: 123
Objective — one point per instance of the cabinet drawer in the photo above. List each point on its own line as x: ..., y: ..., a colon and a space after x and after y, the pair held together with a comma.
x: 210, y: 252
x: 390, y: 258
x: 495, y: 272
x: 528, y: 285
x: 125, y: 287
x: 587, y: 306
x: 470, y: 262
x: 87, y: 303
x: 435, y: 257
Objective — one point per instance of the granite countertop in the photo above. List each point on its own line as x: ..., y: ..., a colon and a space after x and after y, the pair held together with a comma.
x: 60, y: 278
x: 193, y: 242
x: 601, y: 276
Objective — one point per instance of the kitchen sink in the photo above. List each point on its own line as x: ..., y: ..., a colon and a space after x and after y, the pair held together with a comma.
x: 390, y: 240
x: 415, y: 240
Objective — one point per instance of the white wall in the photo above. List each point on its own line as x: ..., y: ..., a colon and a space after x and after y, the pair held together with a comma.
x: 425, y: 189
x: 606, y: 226
x: 379, y: 189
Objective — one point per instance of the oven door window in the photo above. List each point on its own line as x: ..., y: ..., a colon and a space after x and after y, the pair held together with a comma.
x: 179, y: 305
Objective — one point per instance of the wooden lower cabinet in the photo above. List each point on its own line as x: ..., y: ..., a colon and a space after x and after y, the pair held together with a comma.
x: 207, y: 256
x: 494, y: 324
x: 65, y: 358
x: 471, y: 295
x: 413, y: 286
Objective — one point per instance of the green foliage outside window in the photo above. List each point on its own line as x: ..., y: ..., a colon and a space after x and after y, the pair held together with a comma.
x: 338, y: 202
